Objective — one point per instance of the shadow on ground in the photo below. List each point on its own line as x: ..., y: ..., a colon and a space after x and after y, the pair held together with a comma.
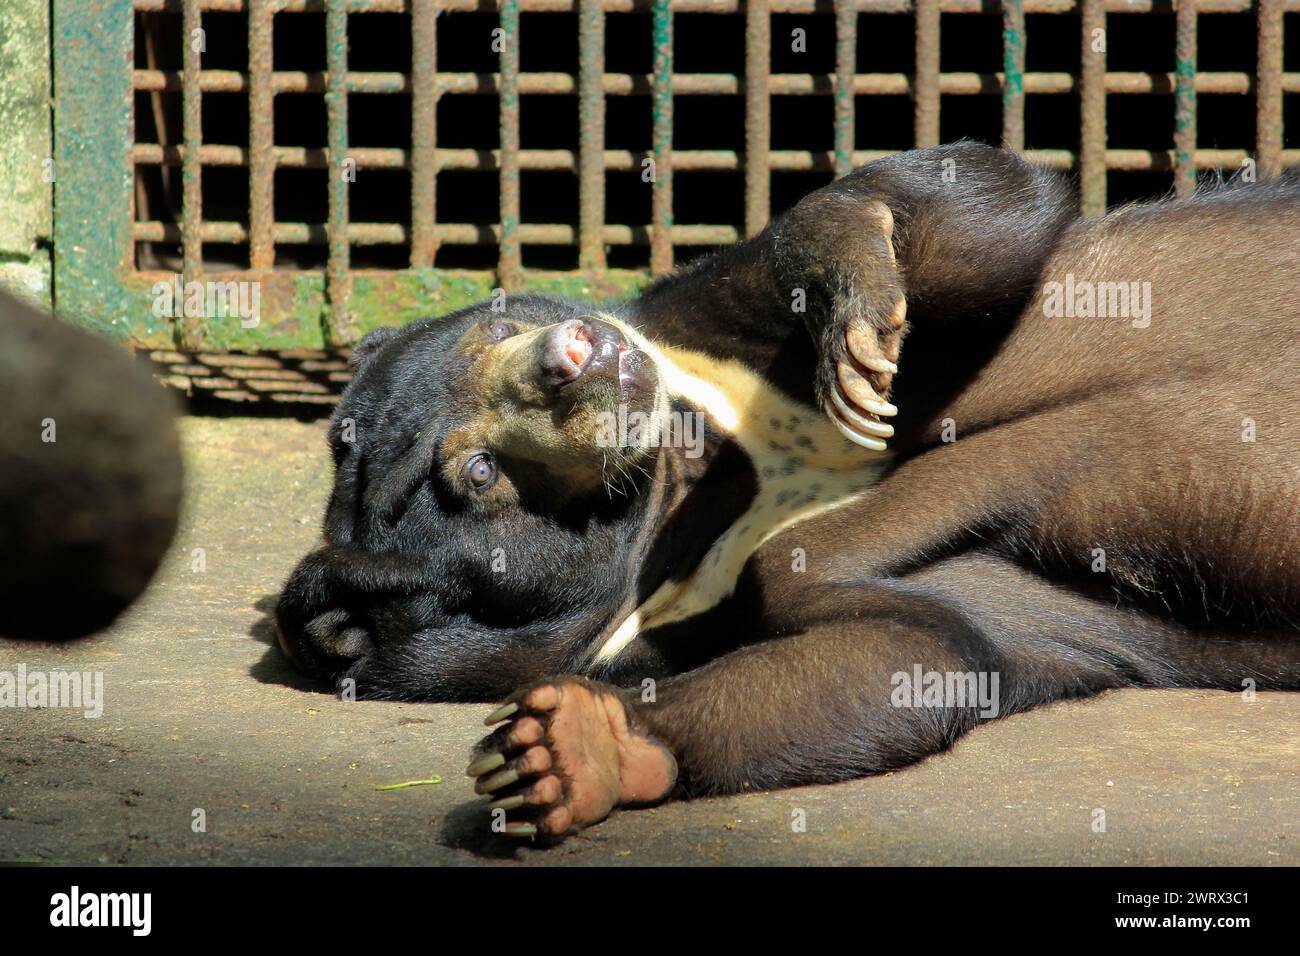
x: 274, y: 668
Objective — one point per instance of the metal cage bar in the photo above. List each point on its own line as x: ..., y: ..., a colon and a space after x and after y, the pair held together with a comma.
x: 719, y: 160
x: 709, y: 84
x: 1092, y: 108
x: 261, y: 136
x: 395, y: 233
x: 510, y: 262
x: 190, y: 328
x: 661, y: 211
x: 926, y: 109
x: 424, y: 124
x: 715, y: 6
x: 1268, y: 90
x: 591, y: 136
x: 1013, y: 73
x: 758, y: 116
x: 341, y: 169
x: 622, y: 160
x: 1185, y: 98
x: 846, y: 55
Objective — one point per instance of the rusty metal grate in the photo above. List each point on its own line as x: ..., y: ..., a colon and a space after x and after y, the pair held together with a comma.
x: 374, y: 268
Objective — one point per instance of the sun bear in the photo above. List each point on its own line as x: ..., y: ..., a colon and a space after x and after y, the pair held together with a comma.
x: 954, y: 452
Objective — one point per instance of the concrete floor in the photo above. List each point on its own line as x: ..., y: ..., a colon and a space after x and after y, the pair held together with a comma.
x: 202, y: 713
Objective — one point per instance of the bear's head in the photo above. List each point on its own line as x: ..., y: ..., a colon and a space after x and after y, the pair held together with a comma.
x: 504, y: 495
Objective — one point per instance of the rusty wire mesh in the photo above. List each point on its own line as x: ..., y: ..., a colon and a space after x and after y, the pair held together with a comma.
x: 178, y: 218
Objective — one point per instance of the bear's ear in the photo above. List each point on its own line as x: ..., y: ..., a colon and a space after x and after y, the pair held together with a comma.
x: 369, y: 345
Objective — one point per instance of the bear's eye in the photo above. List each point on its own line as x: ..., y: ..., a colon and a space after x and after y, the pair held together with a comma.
x: 501, y: 330
x: 481, y: 471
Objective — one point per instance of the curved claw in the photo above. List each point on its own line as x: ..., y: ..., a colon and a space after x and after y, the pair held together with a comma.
x: 495, y: 782
x: 866, y: 441
x: 508, y: 803
x: 878, y: 363
x: 874, y: 444
x: 864, y: 346
x: 484, y: 764
x: 857, y: 389
x: 868, y: 427
x: 500, y: 714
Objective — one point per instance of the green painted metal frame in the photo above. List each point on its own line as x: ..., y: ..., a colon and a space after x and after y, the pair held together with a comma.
x: 92, y: 157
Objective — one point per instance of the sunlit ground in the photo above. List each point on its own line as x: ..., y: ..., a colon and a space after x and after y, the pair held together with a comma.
x: 201, y: 714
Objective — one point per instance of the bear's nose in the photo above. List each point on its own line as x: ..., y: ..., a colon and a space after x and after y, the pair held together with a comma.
x: 580, y: 347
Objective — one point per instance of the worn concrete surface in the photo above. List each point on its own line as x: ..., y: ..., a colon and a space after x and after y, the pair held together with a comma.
x: 201, y: 713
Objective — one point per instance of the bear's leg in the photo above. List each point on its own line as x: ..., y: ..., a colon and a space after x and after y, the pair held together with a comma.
x: 946, y: 236
x: 835, y: 251
x: 824, y: 704
x: 571, y: 754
